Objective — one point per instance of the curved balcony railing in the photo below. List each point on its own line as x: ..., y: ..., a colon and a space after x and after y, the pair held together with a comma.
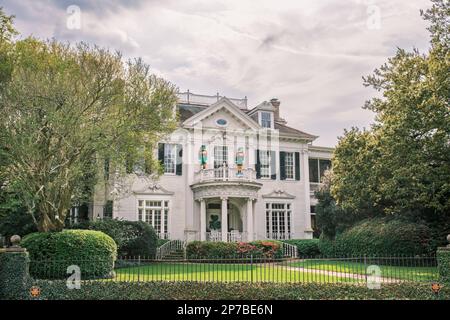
x: 225, y: 174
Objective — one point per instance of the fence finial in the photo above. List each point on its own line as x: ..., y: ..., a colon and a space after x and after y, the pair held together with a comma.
x: 15, y: 241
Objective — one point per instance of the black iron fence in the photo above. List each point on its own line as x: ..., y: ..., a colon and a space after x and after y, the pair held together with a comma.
x: 357, y: 270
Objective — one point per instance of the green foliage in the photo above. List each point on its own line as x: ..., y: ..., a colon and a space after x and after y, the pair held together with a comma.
x: 331, y: 218
x: 14, y: 275
x: 133, y: 238
x: 443, y: 260
x: 230, y: 250
x: 164, y: 290
x: 305, y: 247
x: 52, y: 252
x: 380, y: 237
x: 16, y: 222
x: 401, y: 165
x: 65, y: 109
x: 326, y: 246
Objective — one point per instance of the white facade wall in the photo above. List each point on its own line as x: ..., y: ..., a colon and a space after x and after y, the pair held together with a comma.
x: 184, y: 211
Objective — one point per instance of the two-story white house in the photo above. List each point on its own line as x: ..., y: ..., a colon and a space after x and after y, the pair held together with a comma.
x: 231, y: 173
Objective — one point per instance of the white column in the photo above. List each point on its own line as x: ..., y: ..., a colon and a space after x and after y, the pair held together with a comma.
x: 202, y: 220
x: 224, y: 219
x: 249, y: 219
x: 305, y: 172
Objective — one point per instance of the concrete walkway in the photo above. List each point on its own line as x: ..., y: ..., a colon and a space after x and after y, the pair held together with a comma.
x: 345, y: 275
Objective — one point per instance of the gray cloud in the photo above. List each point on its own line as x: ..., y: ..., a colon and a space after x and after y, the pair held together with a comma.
x: 309, y: 54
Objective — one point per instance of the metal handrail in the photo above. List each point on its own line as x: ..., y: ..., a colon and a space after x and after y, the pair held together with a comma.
x: 169, y: 247
x: 289, y: 250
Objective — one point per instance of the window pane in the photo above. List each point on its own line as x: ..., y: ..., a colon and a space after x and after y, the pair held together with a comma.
x: 157, y: 220
x: 289, y: 165
x: 313, y: 170
x: 169, y: 158
x: 220, y: 156
x: 264, y: 158
x: 278, y: 220
x: 266, y: 119
x: 324, y: 165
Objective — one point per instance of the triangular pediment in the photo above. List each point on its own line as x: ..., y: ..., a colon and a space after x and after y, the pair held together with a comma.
x: 222, y: 107
x: 279, y: 194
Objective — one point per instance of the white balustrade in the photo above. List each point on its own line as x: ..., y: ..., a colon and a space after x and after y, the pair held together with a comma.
x: 225, y: 174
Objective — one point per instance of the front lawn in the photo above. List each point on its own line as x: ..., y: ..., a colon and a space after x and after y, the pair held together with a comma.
x: 416, y: 273
x: 166, y: 271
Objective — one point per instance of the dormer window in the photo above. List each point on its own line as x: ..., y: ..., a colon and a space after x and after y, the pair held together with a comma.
x: 266, y: 119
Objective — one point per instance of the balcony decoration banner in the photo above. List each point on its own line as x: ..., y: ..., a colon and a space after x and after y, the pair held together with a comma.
x: 203, y: 156
x: 240, y: 160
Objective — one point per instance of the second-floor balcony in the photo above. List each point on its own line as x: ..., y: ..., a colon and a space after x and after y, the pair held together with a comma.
x: 225, y: 174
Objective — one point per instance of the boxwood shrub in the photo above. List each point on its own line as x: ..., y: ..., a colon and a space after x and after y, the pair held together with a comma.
x: 14, y: 275
x: 165, y: 290
x: 381, y: 237
x: 52, y: 252
x: 305, y: 247
x: 133, y: 238
x: 231, y: 250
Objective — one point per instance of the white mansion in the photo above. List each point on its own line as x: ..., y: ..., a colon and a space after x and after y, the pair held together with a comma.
x: 231, y: 173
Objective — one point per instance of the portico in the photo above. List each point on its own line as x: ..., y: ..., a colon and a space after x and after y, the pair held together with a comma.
x: 226, y: 208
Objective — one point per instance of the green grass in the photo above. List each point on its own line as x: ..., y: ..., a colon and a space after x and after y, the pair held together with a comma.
x: 220, y: 273
x: 393, y: 272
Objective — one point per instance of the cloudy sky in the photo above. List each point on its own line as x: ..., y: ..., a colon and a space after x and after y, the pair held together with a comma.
x: 310, y: 54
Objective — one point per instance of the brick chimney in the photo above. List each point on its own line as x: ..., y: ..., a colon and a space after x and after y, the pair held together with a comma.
x: 276, y: 104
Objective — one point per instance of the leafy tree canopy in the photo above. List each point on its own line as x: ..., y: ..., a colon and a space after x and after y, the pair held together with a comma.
x: 64, y: 110
x: 401, y: 166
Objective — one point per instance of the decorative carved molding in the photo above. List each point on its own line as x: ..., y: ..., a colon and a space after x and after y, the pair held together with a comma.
x: 225, y: 191
x: 154, y: 188
x: 279, y: 194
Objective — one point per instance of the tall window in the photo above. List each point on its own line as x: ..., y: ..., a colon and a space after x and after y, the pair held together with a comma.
x: 266, y: 119
x: 155, y: 213
x: 289, y: 165
x: 170, y: 156
x: 265, y: 159
x: 317, y: 168
x: 220, y: 156
x: 278, y: 220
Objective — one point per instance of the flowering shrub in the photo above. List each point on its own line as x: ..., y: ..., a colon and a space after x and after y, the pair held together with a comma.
x: 231, y: 250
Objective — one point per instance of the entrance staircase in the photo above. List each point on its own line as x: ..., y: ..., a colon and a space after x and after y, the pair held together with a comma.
x: 172, y: 250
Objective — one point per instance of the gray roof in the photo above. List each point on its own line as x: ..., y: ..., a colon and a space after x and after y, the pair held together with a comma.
x: 188, y: 110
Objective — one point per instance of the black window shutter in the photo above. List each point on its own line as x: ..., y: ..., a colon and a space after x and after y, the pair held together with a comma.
x: 273, y: 165
x: 258, y: 165
x: 297, y: 166
x: 282, y: 165
x: 179, y: 160
x: 161, y: 153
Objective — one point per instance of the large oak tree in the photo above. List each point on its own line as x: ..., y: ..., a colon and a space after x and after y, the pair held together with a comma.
x: 64, y: 110
x: 401, y: 166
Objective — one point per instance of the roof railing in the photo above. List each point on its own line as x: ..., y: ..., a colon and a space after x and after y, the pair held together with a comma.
x: 201, y: 99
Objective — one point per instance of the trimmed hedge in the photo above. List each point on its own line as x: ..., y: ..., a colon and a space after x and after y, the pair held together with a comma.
x: 14, y: 275
x: 305, y: 247
x: 443, y: 260
x: 133, y: 238
x: 52, y: 252
x: 380, y: 237
x: 230, y: 250
x: 57, y: 290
